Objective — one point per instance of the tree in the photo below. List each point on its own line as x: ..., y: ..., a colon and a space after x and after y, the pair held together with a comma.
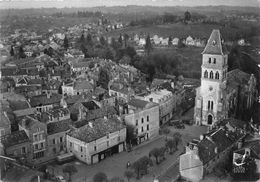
x: 116, y: 179
x: 12, y: 51
x: 70, y: 170
x: 156, y: 154
x: 148, y: 45
x: 187, y: 16
x: 66, y: 42
x: 89, y: 40
x: 102, y: 41
x: 103, y: 78
x: 166, y: 131
x: 126, y: 38
x: 120, y: 40
x: 142, y: 165
x: 125, y: 60
x: 130, y: 134
x: 171, y: 145
x: 170, y: 41
x: 129, y: 175
x: 21, y: 52
x: 100, y: 177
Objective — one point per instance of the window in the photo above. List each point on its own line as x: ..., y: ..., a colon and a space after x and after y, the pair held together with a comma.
x: 214, y: 61
x: 70, y: 144
x: 142, y: 129
x: 23, y: 150
x: 147, y: 118
x: 81, y: 149
x: 148, y: 127
x: 136, y: 131
x: 36, y: 147
x: 209, y: 60
x: 54, y: 150
x: 211, y: 75
x: 61, y: 139
x: 142, y: 120
x: 211, y: 105
x: 136, y: 122
x: 42, y: 146
x: 208, y: 105
x: 53, y: 141
x: 61, y: 148
x: 118, y: 138
x: 206, y: 74
x: 38, y: 155
x: 217, y: 75
x: 107, y: 143
x: 95, y: 148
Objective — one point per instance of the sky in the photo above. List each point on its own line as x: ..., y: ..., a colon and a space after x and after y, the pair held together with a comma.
x: 5, y: 4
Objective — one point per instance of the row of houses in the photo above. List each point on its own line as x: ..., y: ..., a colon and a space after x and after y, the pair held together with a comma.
x: 160, y: 41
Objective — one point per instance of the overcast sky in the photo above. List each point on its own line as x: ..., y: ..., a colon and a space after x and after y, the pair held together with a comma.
x: 91, y: 3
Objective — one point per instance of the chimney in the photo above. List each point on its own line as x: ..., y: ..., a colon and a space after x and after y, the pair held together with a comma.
x: 201, y: 137
x: 48, y: 95
x: 239, y: 144
x: 90, y: 124
x: 216, y: 150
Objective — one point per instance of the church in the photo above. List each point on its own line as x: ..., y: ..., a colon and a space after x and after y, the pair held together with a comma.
x: 222, y: 94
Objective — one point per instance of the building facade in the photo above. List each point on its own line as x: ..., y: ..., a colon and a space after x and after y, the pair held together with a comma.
x: 95, y: 141
x: 217, y: 97
x: 143, y: 116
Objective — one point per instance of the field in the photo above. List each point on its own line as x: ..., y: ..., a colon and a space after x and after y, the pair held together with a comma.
x: 175, y: 30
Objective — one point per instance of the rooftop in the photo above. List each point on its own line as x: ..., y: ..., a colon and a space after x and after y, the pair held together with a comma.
x: 99, y: 129
x: 44, y: 100
x: 15, y: 138
x: 214, y: 45
x: 57, y: 127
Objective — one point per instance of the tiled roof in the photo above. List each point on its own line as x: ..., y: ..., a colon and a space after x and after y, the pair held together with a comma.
x: 237, y: 77
x: 96, y: 114
x: 138, y: 103
x: 18, y: 105
x: 100, y: 128
x: 220, y: 140
x: 15, y: 138
x: 57, y: 127
x: 44, y: 100
x: 79, y: 85
x: 90, y: 105
x: 24, y: 112
x: 4, y: 120
x: 214, y: 45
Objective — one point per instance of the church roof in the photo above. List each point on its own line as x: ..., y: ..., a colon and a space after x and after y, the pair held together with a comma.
x: 214, y: 45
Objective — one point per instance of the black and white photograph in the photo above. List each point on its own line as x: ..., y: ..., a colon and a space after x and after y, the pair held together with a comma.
x: 129, y: 90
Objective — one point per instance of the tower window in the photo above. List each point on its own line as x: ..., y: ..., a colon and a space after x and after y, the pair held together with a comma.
x: 206, y: 74
x: 211, y: 105
x: 217, y: 75
x: 214, y: 60
x: 209, y: 60
x: 208, y: 105
x: 211, y: 75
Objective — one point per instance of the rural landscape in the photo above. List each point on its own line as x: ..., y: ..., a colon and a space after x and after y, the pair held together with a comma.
x: 152, y: 91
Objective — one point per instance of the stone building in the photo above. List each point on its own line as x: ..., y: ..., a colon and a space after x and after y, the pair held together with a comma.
x: 220, y: 90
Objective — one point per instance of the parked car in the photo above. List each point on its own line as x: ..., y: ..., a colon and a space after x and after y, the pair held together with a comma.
x: 187, y: 121
x: 173, y: 122
x: 179, y: 125
x: 60, y: 178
